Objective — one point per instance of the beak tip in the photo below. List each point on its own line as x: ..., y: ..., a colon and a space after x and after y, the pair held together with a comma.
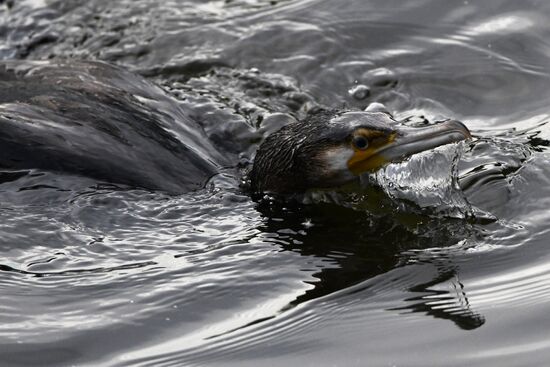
x: 461, y: 128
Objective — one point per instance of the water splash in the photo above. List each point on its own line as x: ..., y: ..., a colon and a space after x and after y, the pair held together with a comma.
x: 429, y: 180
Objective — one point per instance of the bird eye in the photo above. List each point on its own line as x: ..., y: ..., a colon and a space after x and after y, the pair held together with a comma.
x: 360, y: 142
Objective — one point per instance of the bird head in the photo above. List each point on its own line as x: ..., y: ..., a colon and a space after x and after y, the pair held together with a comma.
x: 331, y: 148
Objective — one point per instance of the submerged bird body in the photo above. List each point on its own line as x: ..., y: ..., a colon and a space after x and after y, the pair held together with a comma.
x: 100, y: 121
x: 97, y: 120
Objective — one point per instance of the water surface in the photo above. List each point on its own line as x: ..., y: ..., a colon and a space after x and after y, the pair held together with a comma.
x: 418, y: 268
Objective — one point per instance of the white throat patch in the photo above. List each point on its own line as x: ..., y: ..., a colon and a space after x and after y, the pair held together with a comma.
x: 337, y: 161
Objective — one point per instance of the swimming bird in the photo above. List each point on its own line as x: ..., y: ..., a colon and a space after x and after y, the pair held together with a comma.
x: 100, y: 121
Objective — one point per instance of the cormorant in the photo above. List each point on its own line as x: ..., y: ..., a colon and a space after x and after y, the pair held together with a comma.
x: 100, y: 121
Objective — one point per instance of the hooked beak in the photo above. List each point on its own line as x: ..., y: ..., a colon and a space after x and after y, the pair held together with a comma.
x: 409, y: 140
x: 406, y: 141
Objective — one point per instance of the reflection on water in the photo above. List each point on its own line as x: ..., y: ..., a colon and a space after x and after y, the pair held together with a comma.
x: 442, y: 258
x: 444, y: 297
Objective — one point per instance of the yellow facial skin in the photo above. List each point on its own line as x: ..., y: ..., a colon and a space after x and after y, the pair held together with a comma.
x: 367, y: 160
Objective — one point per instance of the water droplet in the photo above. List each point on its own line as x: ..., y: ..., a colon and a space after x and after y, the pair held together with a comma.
x: 377, y: 107
x: 359, y: 92
x: 307, y: 223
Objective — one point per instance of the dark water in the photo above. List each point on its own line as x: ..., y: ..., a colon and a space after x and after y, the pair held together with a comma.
x: 415, y: 269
